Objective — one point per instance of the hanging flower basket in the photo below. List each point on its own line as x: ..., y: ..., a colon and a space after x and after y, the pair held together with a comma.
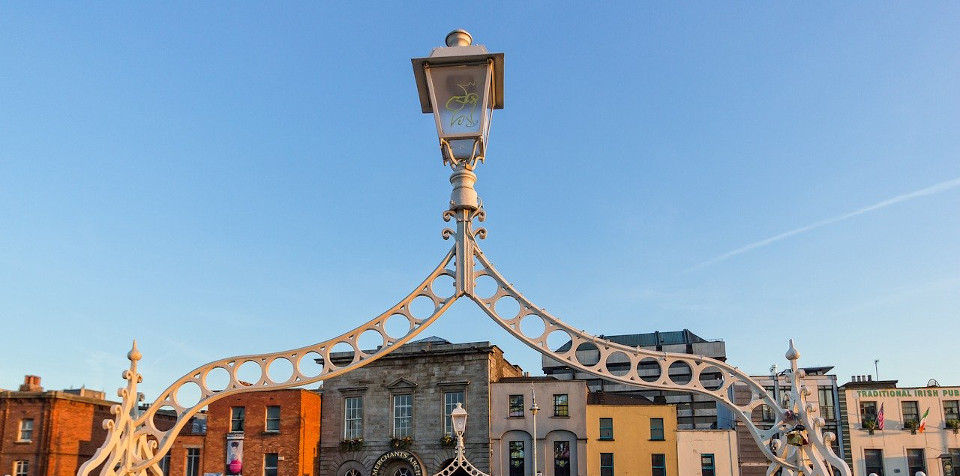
x: 448, y: 441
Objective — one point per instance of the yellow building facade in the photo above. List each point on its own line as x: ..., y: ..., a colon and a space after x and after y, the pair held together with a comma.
x: 628, y: 438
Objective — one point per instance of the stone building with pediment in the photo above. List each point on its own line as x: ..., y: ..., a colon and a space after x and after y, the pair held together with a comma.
x: 392, y: 416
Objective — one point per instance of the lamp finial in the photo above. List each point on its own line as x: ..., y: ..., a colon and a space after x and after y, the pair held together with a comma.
x: 459, y: 38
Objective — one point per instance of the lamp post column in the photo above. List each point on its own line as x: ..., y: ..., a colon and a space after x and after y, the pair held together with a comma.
x: 535, y: 409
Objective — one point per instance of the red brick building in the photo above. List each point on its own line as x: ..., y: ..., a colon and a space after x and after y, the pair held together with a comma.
x: 270, y: 433
x: 49, y: 433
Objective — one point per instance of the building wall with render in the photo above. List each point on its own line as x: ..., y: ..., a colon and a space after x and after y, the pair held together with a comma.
x: 631, y: 445
x: 551, y: 428
x: 938, y: 442
x: 692, y: 445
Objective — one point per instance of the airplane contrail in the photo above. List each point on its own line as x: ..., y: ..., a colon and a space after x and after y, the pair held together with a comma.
x: 931, y: 190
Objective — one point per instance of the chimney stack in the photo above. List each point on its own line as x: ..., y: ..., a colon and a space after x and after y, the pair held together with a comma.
x: 31, y: 383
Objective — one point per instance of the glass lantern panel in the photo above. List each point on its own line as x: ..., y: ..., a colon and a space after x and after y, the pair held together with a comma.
x: 460, y: 99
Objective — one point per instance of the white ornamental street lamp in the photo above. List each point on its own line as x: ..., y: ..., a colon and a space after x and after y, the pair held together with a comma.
x: 459, y: 417
x: 459, y: 465
x: 461, y: 85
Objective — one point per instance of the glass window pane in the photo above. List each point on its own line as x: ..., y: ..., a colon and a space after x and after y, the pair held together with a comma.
x: 659, y: 464
x: 606, y: 428
x: 606, y: 464
x: 353, y: 417
x: 273, y: 418
x: 516, y: 458
x: 236, y: 418
x: 915, y: 461
x: 516, y: 406
x: 561, y: 458
x: 460, y: 97
x: 873, y: 458
x: 450, y: 401
x: 561, y: 406
x: 656, y: 429
x: 270, y: 464
x: 193, y: 462
x: 402, y: 416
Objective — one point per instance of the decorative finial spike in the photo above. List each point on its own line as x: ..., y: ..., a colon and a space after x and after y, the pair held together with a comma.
x: 134, y: 354
x: 459, y: 38
x: 792, y: 353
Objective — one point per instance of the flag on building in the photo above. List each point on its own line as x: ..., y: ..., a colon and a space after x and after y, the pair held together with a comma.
x: 880, y: 417
x: 923, y: 421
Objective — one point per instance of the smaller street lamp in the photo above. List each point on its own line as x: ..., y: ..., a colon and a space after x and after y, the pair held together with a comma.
x: 459, y: 417
x: 460, y: 462
x: 535, y: 409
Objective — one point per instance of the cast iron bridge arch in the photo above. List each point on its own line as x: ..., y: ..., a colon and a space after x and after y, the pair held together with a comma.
x: 135, y: 445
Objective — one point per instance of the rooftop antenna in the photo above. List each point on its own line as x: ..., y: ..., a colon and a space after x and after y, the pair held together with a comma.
x: 876, y: 367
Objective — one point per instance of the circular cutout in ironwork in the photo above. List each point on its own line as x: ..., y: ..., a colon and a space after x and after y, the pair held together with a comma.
x: 532, y: 326
x: 422, y: 307
x: 280, y: 370
x: 649, y: 369
x: 588, y: 354
x: 711, y: 378
x: 680, y: 373
x: 443, y: 286
x: 559, y: 341
x: 162, y: 416
x: 397, y: 326
x: 507, y: 308
x: 249, y: 373
x: 484, y: 287
x: 742, y: 395
x: 217, y: 379
x: 311, y: 365
x: 188, y: 395
x: 370, y: 341
x: 618, y: 363
x: 342, y: 354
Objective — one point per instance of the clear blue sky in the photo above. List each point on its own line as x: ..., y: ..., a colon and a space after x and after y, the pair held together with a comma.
x: 217, y: 179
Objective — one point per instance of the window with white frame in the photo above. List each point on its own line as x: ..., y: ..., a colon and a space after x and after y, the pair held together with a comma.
x: 26, y: 430
x: 402, y: 416
x: 271, y: 461
x: 450, y: 401
x: 353, y: 417
x: 21, y: 468
x: 193, y: 462
x: 561, y: 405
x: 827, y: 406
x: 237, y: 416
x: 951, y: 410
x: 273, y: 419
x: 516, y: 406
x: 911, y: 412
